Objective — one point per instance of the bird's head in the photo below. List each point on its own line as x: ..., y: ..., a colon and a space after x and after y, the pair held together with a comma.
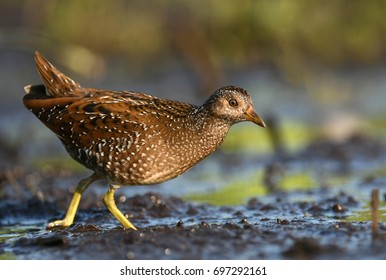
x: 233, y: 104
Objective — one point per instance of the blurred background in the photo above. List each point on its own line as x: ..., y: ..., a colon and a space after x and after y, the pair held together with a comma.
x: 316, y: 70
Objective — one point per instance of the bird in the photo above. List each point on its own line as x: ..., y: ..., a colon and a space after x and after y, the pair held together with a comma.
x: 131, y: 138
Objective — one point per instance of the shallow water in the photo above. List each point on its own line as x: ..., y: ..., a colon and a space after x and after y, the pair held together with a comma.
x: 303, y: 206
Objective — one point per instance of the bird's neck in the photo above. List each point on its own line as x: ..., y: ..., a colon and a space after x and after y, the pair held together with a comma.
x: 210, y: 129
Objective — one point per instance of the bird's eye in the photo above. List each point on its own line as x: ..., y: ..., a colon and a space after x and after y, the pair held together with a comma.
x: 233, y: 102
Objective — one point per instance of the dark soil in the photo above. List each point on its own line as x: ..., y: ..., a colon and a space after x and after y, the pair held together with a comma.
x: 311, y: 224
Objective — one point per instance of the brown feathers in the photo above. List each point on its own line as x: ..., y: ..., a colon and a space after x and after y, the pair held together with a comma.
x: 129, y: 137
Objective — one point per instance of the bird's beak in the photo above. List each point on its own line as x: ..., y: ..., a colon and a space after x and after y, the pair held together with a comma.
x: 252, y: 116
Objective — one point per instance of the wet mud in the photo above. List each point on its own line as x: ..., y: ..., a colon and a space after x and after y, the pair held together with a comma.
x: 304, y: 224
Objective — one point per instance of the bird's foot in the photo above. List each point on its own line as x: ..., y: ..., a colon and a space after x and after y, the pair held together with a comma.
x: 59, y: 224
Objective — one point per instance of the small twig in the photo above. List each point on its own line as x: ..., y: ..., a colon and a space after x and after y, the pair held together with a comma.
x: 374, y: 205
x: 14, y: 183
x: 276, y: 136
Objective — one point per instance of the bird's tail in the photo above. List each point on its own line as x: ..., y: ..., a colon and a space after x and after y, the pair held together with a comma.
x: 57, y: 84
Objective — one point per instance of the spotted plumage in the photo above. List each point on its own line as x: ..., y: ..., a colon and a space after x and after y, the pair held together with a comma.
x: 131, y: 138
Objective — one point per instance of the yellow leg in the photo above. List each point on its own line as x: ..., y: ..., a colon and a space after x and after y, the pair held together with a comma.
x: 69, y: 218
x: 108, y: 200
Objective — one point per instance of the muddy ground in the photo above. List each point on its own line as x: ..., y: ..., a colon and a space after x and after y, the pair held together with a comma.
x: 309, y: 224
